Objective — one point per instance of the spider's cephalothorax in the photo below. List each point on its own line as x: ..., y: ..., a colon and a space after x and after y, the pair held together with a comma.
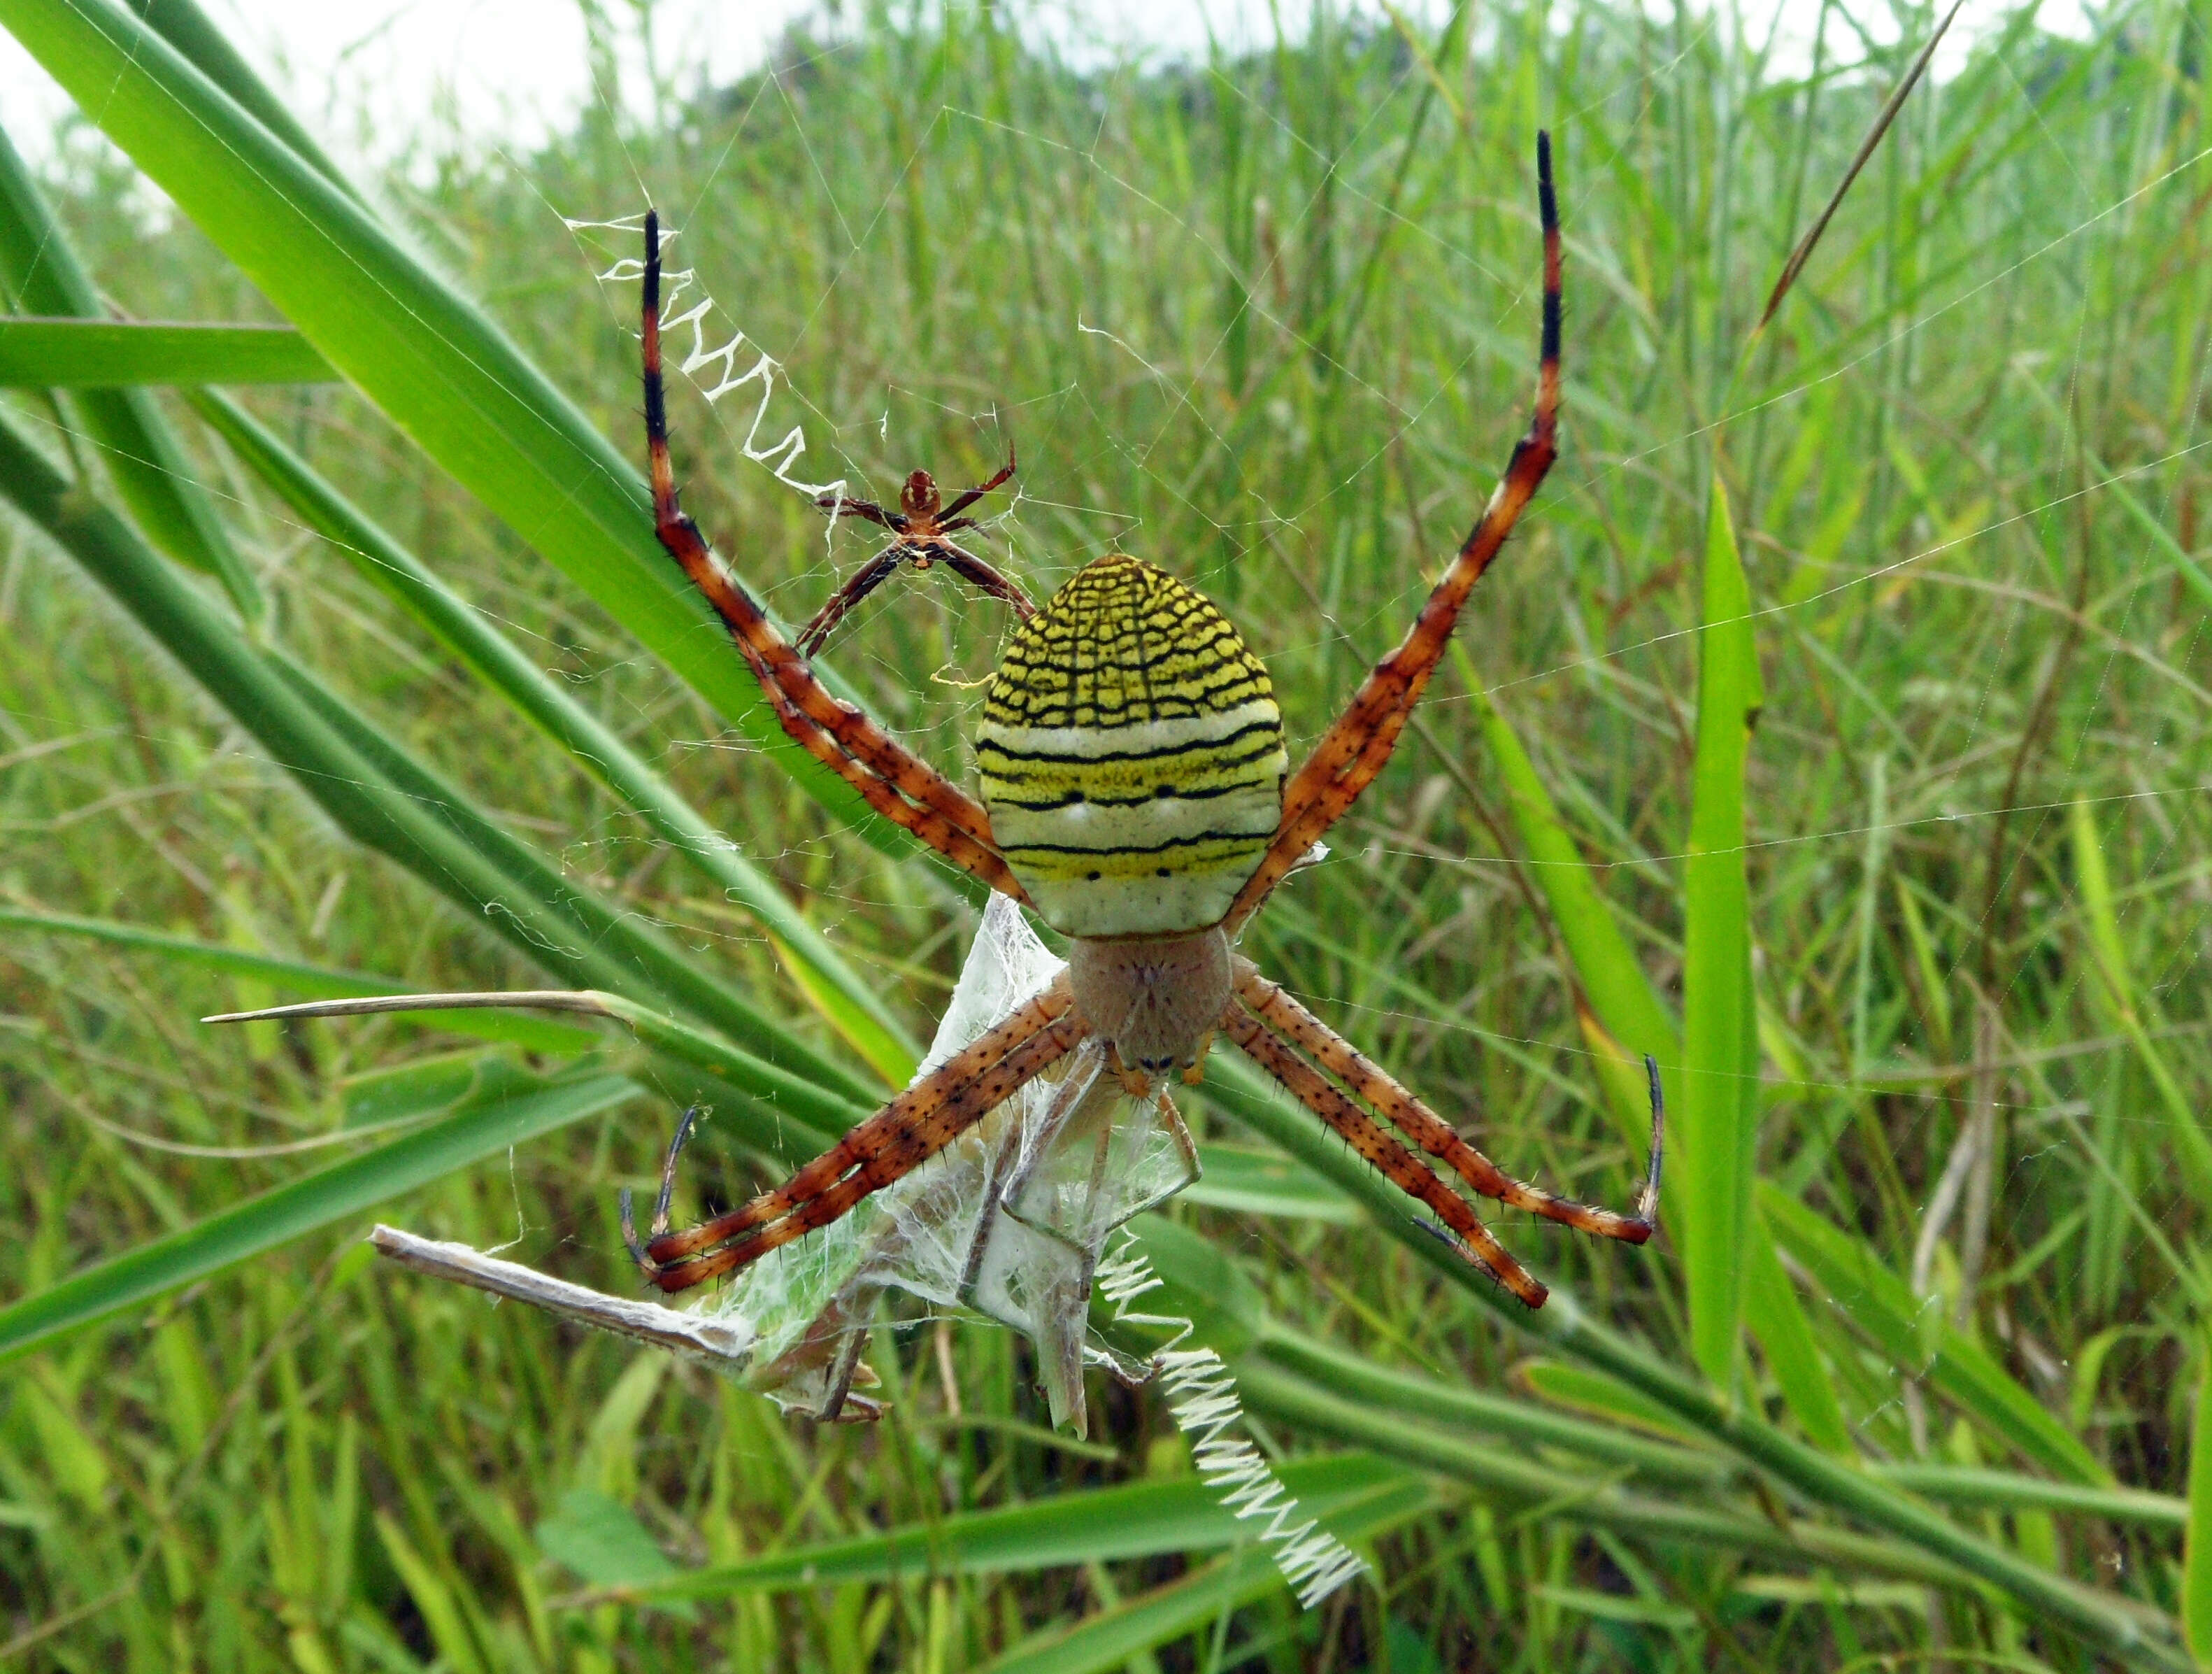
x: 1134, y: 797
x: 1131, y: 755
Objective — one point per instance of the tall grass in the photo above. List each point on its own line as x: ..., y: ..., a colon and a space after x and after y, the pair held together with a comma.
x: 1269, y: 321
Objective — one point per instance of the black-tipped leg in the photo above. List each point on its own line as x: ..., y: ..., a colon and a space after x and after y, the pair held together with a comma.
x: 690, y: 1120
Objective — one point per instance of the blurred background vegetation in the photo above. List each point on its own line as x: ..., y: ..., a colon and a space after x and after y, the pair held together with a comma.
x: 1270, y: 322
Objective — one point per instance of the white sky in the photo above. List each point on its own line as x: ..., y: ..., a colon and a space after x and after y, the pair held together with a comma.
x: 367, y: 74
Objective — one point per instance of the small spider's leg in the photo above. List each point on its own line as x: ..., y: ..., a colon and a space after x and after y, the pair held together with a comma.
x: 1399, y: 1166
x: 906, y: 1133
x: 962, y: 502
x: 895, y: 782
x: 866, y: 510
x: 972, y: 569
x: 1380, y: 1092
x: 866, y: 579
x: 1345, y: 760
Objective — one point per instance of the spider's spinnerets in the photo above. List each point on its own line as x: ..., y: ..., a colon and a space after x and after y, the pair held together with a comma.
x: 1131, y: 755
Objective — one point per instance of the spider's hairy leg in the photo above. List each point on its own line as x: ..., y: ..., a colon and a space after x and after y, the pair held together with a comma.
x: 1345, y: 760
x: 864, y: 581
x: 1377, y: 1089
x: 1398, y: 1166
x: 906, y: 1133
x: 894, y: 782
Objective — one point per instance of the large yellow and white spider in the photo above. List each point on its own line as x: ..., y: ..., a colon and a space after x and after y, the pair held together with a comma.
x: 1136, y: 797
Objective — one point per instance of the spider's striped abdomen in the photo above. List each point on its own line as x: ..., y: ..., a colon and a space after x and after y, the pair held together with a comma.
x: 1131, y: 755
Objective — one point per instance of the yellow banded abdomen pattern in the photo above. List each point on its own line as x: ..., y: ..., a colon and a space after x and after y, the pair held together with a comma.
x: 1131, y: 755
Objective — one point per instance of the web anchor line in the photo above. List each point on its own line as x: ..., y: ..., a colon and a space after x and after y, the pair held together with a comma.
x: 1202, y: 1397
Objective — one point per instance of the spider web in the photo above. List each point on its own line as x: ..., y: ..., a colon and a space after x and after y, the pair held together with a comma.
x: 1992, y: 1125
x: 2000, y: 1112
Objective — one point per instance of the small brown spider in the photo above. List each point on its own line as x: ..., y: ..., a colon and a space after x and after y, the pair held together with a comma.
x: 922, y: 530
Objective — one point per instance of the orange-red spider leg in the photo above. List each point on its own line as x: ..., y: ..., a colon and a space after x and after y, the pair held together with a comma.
x: 906, y: 1133
x: 895, y: 781
x: 1353, y: 750
x: 1375, y: 1088
x: 1398, y: 1166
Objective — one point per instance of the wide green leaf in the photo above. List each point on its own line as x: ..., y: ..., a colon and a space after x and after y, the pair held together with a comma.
x: 425, y: 354
x: 107, y: 354
x: 850, y: 1002
x: 1138, y: 1520
x: 41, y: 271
x: 1111, y: 1638
x: 377, y: 792
x: 1716, y: 1135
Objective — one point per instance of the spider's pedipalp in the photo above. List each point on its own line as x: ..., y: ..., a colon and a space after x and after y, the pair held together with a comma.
x: 1349, y: 755
x: 907, y: 1132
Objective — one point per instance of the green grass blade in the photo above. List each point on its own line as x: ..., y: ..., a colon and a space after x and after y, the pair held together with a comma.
x: 850, y: 1003
x: 1583, y: 1496
x: 1122, y: 1634
x: 423, y: 353
x: 1965, y: 1485
x: 313, y: 981
x: 263, y: 1223
x: 1716, y: 1135
x: 2118, y: 1628
x: 1879, y: 1303
x: 1619, y: 992
x: 1777, y: 1318
x: 1631, y: 1019
x: 85, y: 353
x: 1110, y: 1638
x: 187, y: 28
x: 141, y: 455
x: 1135, y: 1520
x: 1465, y: 1410
x: 1245, y: 1181
x: 2117, y: 987
x: 377, y: 793
x: 2197, y: 1551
